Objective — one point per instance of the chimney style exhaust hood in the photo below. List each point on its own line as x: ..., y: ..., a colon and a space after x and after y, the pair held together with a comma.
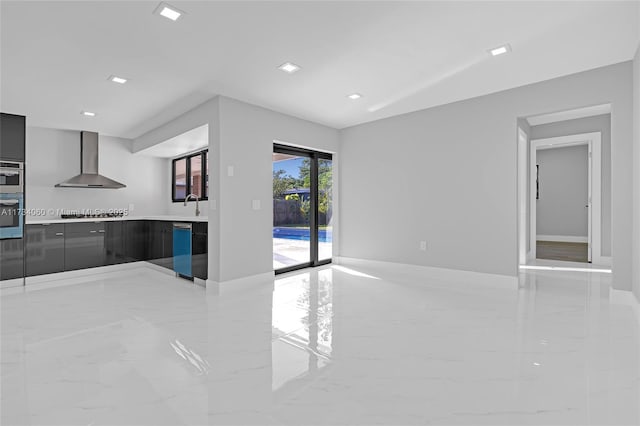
x: 89, y: 177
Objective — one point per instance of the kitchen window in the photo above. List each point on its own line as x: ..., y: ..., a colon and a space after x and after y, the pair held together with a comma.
x: 190, y: 175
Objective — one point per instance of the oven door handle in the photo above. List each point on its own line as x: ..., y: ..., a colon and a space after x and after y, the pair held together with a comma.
x: 9, y: 202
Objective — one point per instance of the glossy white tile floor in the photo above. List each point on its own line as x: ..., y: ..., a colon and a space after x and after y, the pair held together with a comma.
x: 355, y: 346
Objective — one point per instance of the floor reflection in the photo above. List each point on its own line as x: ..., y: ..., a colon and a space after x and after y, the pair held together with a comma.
x: 347, y: 345
x: 302, y: 326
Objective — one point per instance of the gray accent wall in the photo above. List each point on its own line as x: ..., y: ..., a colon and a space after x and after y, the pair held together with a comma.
x: 602, y: 124
x: 563, y: 190
x: 448, y: 175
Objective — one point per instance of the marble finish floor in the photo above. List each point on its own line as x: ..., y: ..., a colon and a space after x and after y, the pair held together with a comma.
x: 338, y: 345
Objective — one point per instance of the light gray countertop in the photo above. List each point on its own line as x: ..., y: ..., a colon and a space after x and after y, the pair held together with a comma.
x: 39, y: 221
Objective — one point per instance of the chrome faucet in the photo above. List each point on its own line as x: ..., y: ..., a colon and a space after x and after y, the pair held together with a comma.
x: 197, y: 202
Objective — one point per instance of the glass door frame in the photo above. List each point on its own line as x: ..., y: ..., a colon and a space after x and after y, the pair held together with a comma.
x: 314, y: 156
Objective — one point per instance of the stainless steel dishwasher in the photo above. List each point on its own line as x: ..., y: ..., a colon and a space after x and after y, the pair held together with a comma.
x: 182, y: 249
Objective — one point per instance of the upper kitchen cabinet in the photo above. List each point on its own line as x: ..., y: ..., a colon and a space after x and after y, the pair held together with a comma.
x: 12, y: 137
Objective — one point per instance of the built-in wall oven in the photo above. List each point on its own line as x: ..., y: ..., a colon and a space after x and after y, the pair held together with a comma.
x: 11, y: 215
x: 11, y: 177
x: 11, y: 199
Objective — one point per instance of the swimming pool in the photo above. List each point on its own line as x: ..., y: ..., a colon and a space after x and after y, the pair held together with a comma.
x: 324, y: 235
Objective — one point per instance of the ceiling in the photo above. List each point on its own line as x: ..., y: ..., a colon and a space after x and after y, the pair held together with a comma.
x: 401, y: 56
x: 190, y: 141
x: 572, y: 114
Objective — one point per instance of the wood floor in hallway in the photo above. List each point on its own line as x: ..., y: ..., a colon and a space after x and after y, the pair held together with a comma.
x: 556, y: 250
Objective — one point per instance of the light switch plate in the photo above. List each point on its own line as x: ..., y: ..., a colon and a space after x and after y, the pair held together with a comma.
x: 255, y: 204
x: 230, y: 171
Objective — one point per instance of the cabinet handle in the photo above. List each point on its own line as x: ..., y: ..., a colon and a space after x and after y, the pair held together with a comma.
x: 59, y: 233
x: 93, y: 232
x: 102, y: 230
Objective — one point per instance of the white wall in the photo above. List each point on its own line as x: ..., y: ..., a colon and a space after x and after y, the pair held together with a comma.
x: 54, y: 156
x: 206, y: 113
x: 602, y: 124
x: 247, y: 133
x: 524, y: 125
x: 242, y: 135
x: 636, y: 172
x: 564, y: 191
x: 447, y: 175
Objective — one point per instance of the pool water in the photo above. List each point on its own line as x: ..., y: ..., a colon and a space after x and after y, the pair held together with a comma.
x: 324, y: 235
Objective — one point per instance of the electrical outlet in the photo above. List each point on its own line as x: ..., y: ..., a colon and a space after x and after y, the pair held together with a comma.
x: 131, y: 207
x: 423, y: 245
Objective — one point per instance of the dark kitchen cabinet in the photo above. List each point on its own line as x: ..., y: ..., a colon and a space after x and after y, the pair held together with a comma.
x: 58, y: 247
x: 11, y: 259
x: 115, y: 243
x: 135, y: 240
x: 160, y: 248
x: 12, y: 137
x: 45, y: 248
x: 199, y: 250
x: 84, y: 245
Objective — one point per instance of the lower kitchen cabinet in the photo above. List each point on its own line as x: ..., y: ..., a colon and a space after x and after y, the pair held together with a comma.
x: 58, y: 247
x: 114, y: 243
x: 199, y: 249
x: 11, y: 259
x: 135, y: 240
x: 84, y: 245
x: 45, y: 248
x: 160, y: 247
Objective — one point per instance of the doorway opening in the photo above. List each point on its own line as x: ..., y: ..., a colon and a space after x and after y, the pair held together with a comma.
x: 302, y: 208
x: 565, y: 198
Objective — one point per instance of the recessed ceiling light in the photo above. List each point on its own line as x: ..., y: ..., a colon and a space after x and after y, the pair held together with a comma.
x: 289, y: 67
x: 500, y: 50
x: 168, y: 11
x: 354, y: 96
x: 89, y: 113
x: 117, y: 79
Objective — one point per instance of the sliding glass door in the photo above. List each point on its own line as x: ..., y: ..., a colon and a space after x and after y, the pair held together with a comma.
x: 325, y: 209
x: 302, y: 208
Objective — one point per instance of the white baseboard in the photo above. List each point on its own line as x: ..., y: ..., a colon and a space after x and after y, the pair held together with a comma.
x: 240, y: 284
x: 434, y: 273
x: 82, y: 272
x: 60, y: 279
x: 16, y: 282
x: 562, y: 238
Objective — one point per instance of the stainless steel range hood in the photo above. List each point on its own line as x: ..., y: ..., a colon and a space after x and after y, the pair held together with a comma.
x: 89, y: 177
